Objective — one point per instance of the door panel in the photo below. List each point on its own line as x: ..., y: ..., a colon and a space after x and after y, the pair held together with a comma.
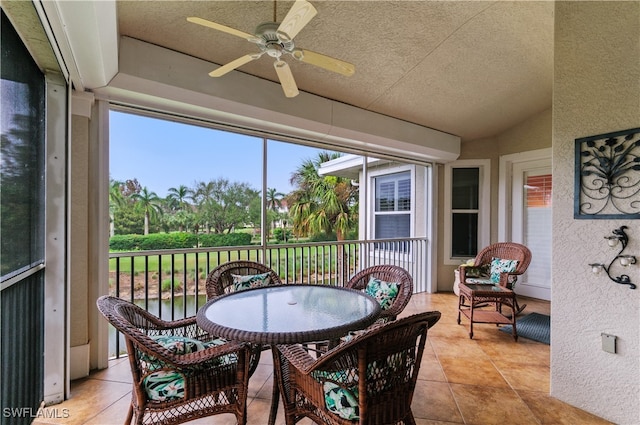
x: 531, y: 224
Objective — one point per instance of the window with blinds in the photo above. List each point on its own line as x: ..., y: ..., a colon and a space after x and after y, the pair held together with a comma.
x: 392, y: 215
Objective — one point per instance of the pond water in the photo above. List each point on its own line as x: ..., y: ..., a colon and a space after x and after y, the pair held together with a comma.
x: 162, y: 309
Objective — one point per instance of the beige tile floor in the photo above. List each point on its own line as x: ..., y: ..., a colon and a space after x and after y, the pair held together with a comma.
x: 489, y: 379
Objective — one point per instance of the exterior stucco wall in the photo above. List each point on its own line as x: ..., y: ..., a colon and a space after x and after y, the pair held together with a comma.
x: 532, y: 134
x: 596, y: 91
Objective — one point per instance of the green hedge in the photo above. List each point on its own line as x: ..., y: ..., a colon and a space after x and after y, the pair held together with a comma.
x: 176, y: 240
x: 226, y: 239
x: 125, y: 242
x: 168, y: 241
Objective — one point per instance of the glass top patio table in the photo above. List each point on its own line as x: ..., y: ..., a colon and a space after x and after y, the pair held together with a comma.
x: 288, y: 314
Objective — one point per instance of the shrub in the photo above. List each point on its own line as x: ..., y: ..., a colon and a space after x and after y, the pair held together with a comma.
x: 168, y: 241
x: 323, y: 237
x: 226, y: 239
x: 125, y: 242
x: 176, y: 240
x: 279, y: 234
x: 166, y: 285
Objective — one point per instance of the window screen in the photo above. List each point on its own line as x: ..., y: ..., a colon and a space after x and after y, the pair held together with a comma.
x: 22, y: 97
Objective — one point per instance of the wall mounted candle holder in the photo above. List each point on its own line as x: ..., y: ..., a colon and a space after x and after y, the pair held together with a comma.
x: 619, y: 236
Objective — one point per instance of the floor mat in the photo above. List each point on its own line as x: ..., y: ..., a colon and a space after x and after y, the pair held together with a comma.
x: 533, y: 326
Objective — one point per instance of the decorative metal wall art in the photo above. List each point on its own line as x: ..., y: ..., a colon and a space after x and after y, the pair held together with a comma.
x: 607, y: 180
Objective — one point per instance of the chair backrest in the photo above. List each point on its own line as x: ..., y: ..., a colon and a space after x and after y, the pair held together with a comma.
x: 127, y: 317
x: 386, y: 273
x: 220, y: 279
x: 138, y: 326
x: 506, y: 251
x: 384, y: 363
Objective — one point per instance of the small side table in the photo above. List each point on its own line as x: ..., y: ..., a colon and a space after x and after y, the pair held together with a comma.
x: 477, y: 294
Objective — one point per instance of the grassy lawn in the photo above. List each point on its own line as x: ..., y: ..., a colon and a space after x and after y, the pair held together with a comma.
x: 321, y: 257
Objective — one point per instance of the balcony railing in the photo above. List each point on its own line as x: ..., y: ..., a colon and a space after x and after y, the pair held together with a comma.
x: 171, y: 283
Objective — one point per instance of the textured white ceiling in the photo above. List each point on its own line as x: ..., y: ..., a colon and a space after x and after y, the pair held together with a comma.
x: 469, y: 68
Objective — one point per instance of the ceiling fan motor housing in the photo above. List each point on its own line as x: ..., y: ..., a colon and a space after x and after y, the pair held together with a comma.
x: 270, y: 40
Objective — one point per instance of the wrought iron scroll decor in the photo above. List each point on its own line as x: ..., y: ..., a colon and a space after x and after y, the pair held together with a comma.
x: 607, y: 180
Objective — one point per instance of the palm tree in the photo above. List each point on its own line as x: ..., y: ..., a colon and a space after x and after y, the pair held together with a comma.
x: 202, y: 192
x: 201, y: 195
x: 116, y: 200
x: 150, y: 203
x: 274, y: 202
x: 179, y: 196
x: 322, y: 203
x: 177, y: 204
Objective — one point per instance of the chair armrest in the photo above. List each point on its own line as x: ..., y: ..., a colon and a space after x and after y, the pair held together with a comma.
x: 152, y: 348
x: 463, y: 273
x: 211, y: 353
x: 507, y: 279
x: 298, y: 357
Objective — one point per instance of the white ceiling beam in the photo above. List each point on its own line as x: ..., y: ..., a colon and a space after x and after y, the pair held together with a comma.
x: 85, y: 33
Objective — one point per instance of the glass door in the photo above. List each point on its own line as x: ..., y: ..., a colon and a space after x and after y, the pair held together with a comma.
x: 531, y: 224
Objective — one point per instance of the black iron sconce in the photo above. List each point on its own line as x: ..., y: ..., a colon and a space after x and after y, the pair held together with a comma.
x: 619, y: 236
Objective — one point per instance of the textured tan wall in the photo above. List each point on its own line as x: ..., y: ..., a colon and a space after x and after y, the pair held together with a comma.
x: 596, y: 91
x: 79, y: 231
x: 532, y: 134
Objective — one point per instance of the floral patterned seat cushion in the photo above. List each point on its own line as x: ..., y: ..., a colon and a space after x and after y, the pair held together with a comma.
x: 499, y: 265
x: 241, y: 282
x: 340, y: 392
x: 166, y: 385
x: 384, y: 292
x: 481, y: 271
x: 342, y: 401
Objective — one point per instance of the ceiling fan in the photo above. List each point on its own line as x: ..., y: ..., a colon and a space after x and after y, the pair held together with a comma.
x: 276, y: 39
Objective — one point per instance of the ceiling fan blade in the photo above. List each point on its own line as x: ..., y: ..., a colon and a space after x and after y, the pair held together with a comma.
x: 326, y: 62
x: 233, y: 65
x: 220, y: 27
x: 298, y: 16
x: 285, y: 76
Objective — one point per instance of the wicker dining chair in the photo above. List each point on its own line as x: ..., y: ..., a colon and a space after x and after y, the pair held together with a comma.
x: 220, y: 280
x: 390, y: 274
x: 369, y: 379
x: 504, y: 251
x: 180, y: 373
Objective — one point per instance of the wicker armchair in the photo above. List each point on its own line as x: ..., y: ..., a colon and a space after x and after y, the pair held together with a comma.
x: 220, y: 279
x: 220, y: 282
x: 376, y: 370
x: 507, y: 251
x: 180, y: 373
x: 387, y: 273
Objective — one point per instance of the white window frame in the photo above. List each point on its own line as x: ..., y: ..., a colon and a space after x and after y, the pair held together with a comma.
x: 372, y: 175
x: 484, y: 205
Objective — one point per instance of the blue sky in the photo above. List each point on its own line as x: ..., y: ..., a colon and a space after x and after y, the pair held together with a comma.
x: 163, y: 154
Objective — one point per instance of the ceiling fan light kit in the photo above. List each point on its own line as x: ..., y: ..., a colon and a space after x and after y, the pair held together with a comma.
x: 276, y: 40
